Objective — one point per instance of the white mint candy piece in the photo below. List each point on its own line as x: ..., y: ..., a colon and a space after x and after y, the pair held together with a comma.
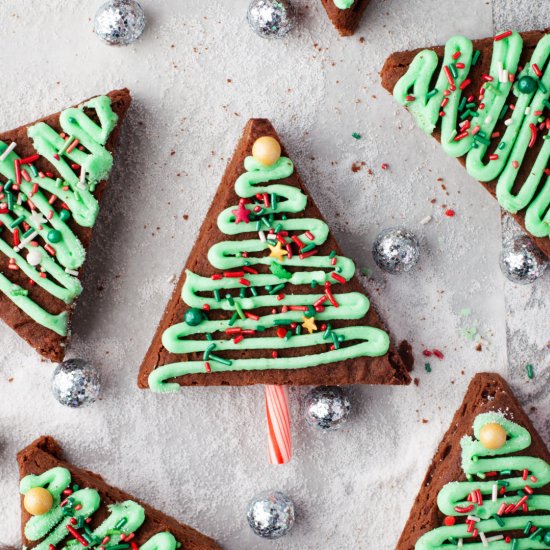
x: 34, y: 256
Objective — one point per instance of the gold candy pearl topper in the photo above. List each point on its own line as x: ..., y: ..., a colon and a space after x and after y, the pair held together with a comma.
x: 266, y: 150
x: 492, y: 436
x: 38, y: 501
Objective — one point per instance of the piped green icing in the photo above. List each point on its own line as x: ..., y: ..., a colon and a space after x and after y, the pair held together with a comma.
x: 359, y: 341
x: 478, y: 461
x: 467, y: 126
x: 56, y: 274
x: 123, y: 518
x: 343, y: 4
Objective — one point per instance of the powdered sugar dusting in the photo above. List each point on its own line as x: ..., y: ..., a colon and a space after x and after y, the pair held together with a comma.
x: 197, y: 74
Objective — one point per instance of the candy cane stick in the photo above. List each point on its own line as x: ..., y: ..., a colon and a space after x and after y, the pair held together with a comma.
x: 278, y: 424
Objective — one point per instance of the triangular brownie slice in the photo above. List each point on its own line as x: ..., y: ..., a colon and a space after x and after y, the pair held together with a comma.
x: 82, y: 508
x: 266, y: 296
x: 489, y: 482
x: 345, y: 14
x: 487, y: 103
x: 53, y: 173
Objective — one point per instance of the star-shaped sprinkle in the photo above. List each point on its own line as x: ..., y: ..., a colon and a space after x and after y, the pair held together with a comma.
x: 242, y: 214
x: 277, y: 251
x: 37, y: 218
x: 309, y: 324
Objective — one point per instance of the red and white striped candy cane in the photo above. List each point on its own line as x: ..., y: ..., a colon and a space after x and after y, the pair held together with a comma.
x: 278, y: 424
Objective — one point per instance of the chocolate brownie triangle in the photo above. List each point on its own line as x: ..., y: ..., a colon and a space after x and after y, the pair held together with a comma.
x: 53, y: 173
x: 87, y: 508
x: 345, y: 19
x: 487, y: 485
x: 487, y: 103
x: 259, y: 300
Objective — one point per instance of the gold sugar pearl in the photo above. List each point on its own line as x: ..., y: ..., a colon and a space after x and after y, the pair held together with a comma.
x: 38, y: 501
x: 266, y: 150
x: 492, y: 436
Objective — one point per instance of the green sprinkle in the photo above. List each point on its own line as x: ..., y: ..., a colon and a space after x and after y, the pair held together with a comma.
x: 503, y: 112
x: 33, y: 170
x: 17, y: 221
x: 475, y: 57
x: 298, y: 330
x: 239, y: 310
x: 282, y: 322
x: 29, y: 231
x: 278, y: 227
x: 427, y: 367
x: 18, y: 291
x: 514, y: 544
x: 465, y: 115
x: 274, y: 201
x: 265, y: 221
x: 207, y: 351
x: 335, y: 340
x: 530, y: 373
x: 209, y: 336
x: 218, y: 359
x: 542, y: 87
x: 332, y: 254
x: 253, y: 291
x: 527, y: 527
x: 229, y: 298
x: 277, y: 288
x: 217, y: 295
x: 498, y: 519
x: 242, y: 292
x: 327, y: 332
x: 481, y: 139
x: 536, y: 535
x: 308, y: 247
x: 233, y: 319
x: 502, y: 145
x: 121, y: 523
x: 431, y: 93
x: 355, y: 135
x: 313, y: 283
x: 454, y: 72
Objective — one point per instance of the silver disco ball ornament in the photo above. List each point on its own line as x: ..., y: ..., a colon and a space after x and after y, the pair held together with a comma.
x: 271, y: 18
x: 119, y: 22
x: 75, y: 383
x: 396, y: 250
x: 521, y: 261
x: 326, y: 408
x: 271, y: 515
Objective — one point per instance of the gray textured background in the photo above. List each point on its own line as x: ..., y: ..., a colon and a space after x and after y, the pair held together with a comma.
x: 197, y: 75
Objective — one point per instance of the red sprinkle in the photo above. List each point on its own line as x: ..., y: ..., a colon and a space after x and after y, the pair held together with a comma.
x: 251, y: 316
x: 450, y: 213
x: 449, y: 521
x: 281, y: 332
x: 384, y: 166
x: 207, y: 367
x: 337, y: 277
x: 502, y: 35
x: 536, y: 70
x: 244, y: 281
x: 438, y: 354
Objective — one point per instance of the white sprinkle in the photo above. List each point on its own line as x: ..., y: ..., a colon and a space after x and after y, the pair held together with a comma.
x: 460, y: 541
x: 425, y: 220
x: 7, y: 151
x: 474, y: 518
x: 495, y: 492
x: 483, y: 539
x: 507, y: 122
x: 527, y: 110
x: 172, y: 278
x: 504, y: 76
x: 488, y: 119
x: 82, y: 179
x: 26, y: 240
x: 71, y: 271
x: 494, y: 538
x: 261, y: 234
x: 499, y: 65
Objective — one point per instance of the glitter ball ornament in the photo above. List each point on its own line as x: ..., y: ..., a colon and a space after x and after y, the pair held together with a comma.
x: 326, y: 408
x: 271, y: 18
x: 75, y: 383
x: 396, y: 250
x: 521, y: 261
x: 271, y: 515
x: 119, y: 22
